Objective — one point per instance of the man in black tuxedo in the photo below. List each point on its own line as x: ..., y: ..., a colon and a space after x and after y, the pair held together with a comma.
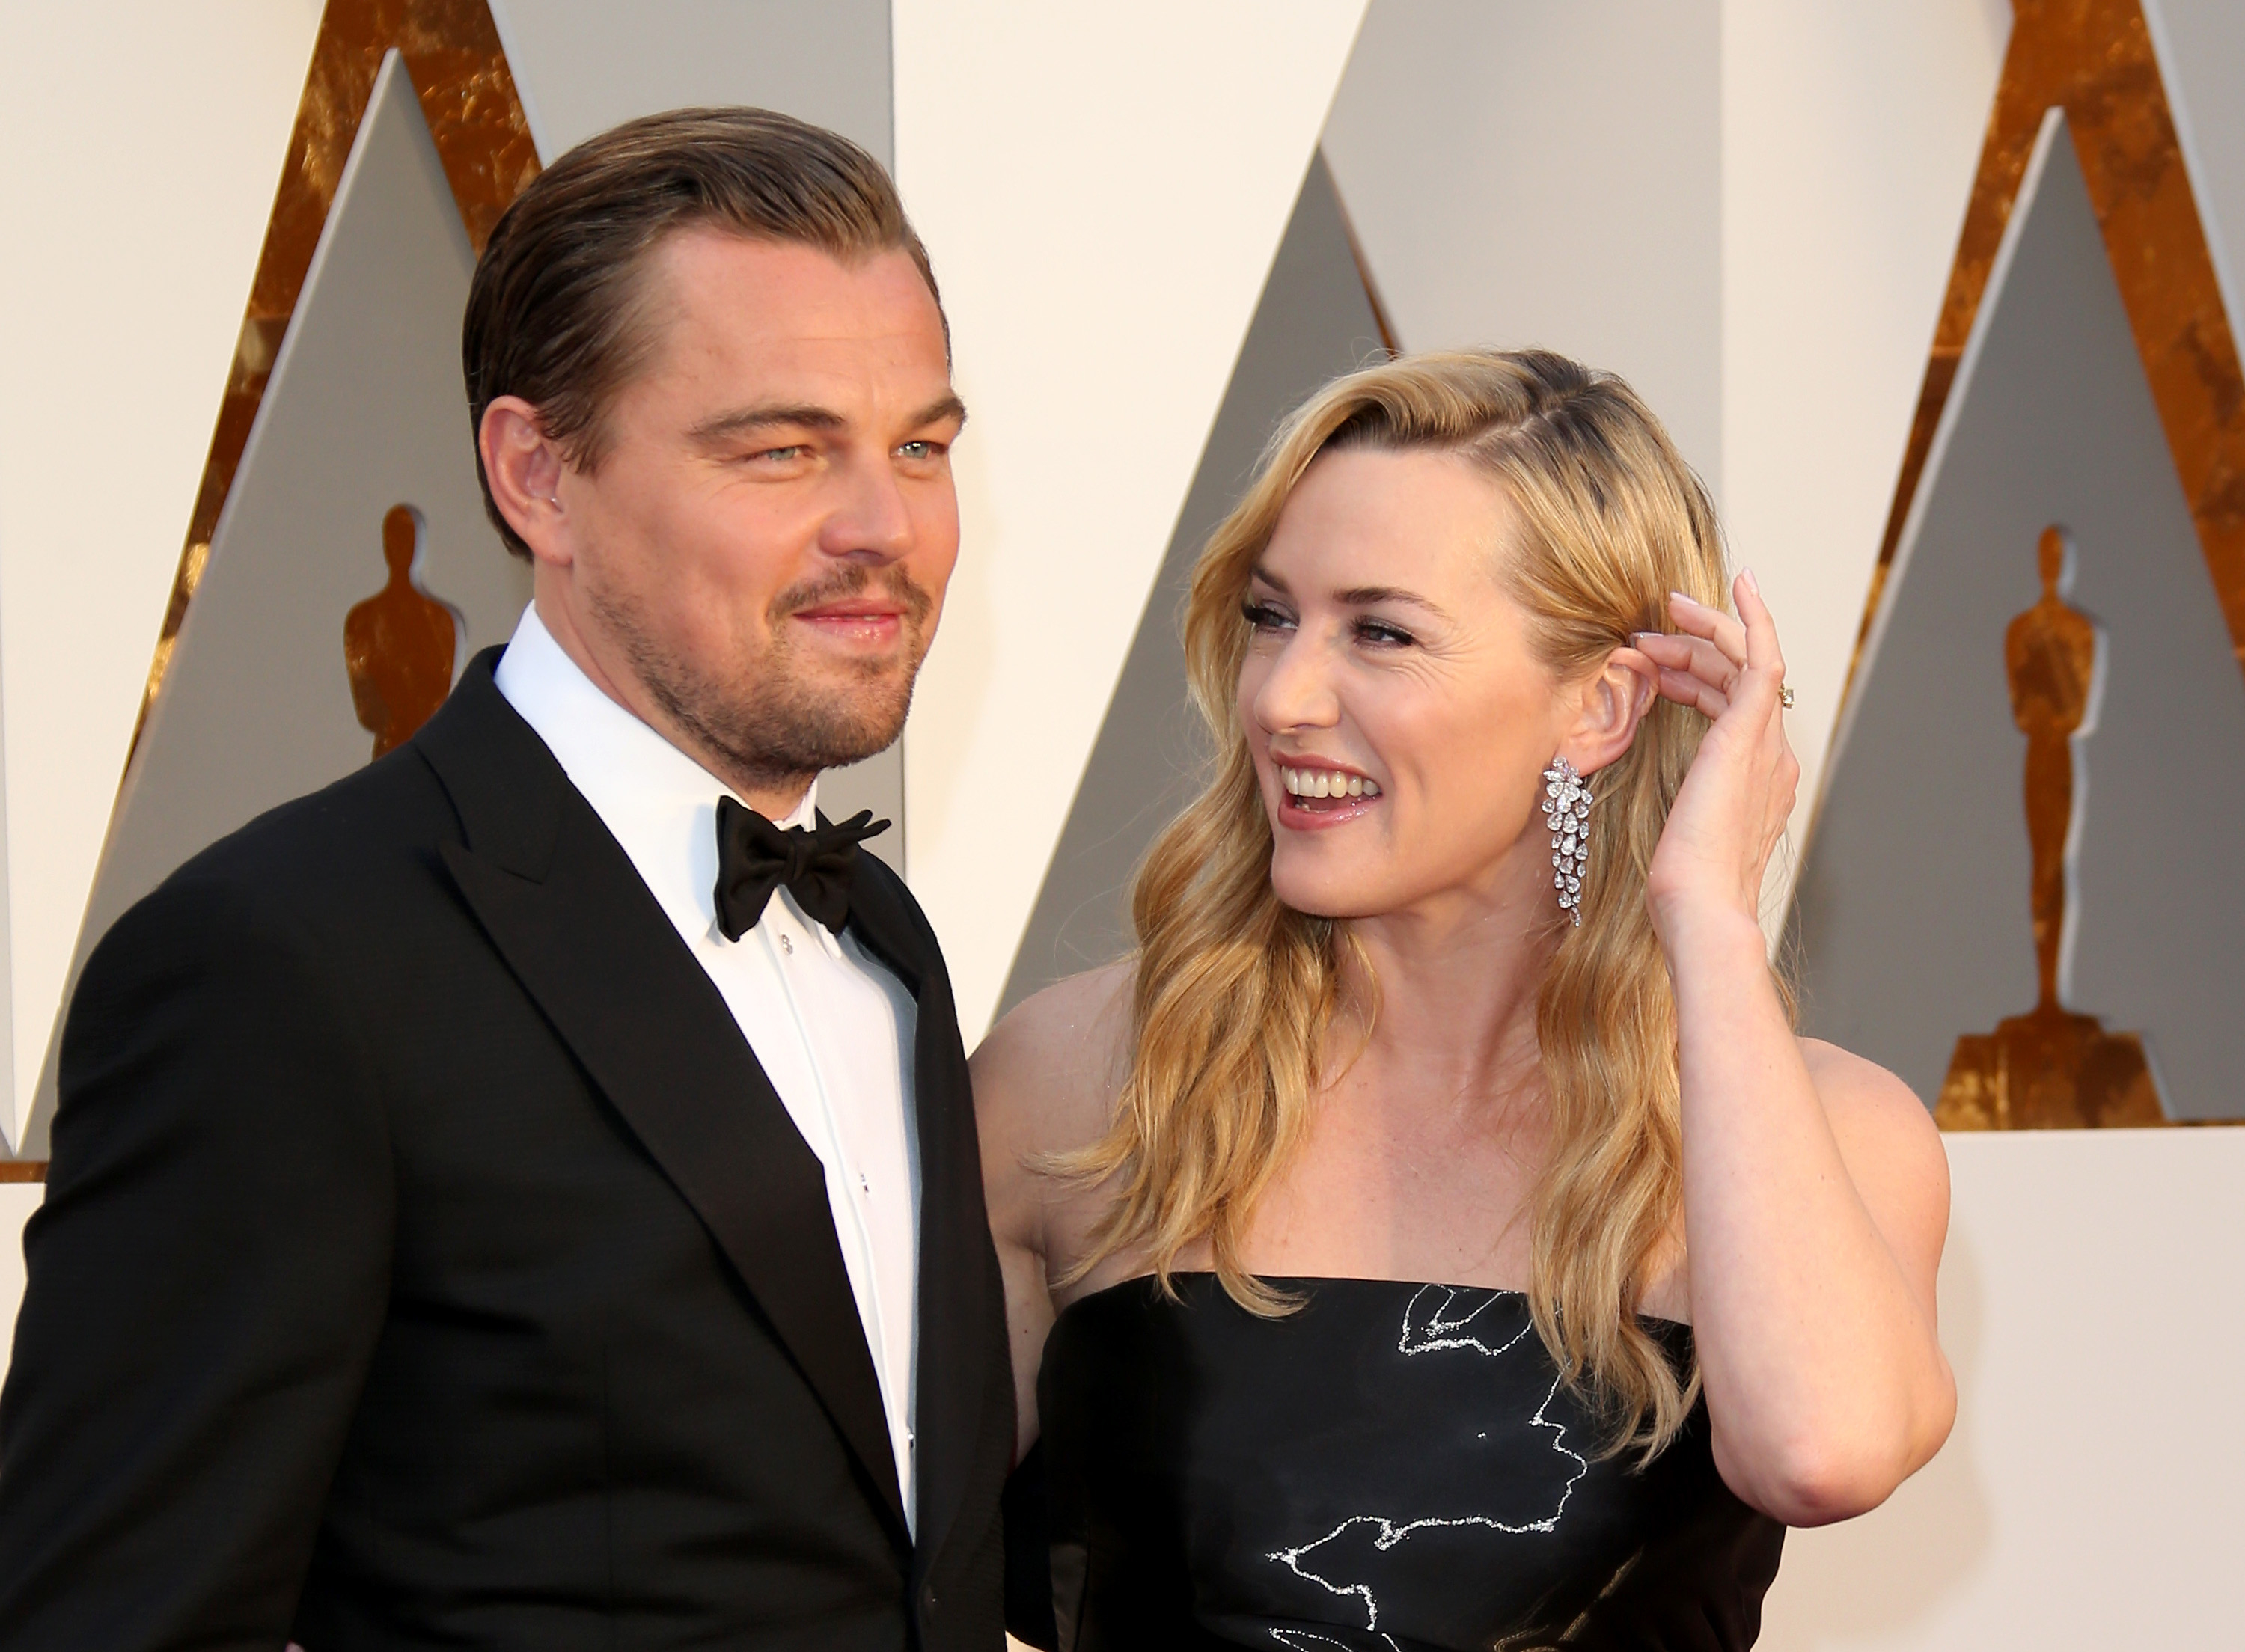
x: 526, y: 1195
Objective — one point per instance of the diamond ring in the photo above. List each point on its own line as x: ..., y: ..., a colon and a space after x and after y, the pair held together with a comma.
x: 1785, y: 695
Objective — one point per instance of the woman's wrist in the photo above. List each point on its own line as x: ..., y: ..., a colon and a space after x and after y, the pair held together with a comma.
x: 1702, y: 925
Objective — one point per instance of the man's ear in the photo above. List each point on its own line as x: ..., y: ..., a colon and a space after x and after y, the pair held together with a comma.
x: 1613, y: 703
x: 526, y: 473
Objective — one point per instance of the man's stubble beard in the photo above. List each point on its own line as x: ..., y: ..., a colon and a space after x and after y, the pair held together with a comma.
x: 761, y: 723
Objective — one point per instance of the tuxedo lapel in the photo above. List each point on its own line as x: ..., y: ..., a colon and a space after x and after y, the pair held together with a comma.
x: 565, y: 908
x: 959, y: 1336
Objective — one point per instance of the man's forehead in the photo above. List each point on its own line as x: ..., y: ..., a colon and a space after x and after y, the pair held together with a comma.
x: 780, y: 291
x: 736, y: 321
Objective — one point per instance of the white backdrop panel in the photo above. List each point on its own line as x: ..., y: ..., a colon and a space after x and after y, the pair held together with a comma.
x: 1102, y: 192
x: 2093, y: 1302
x: 140, y: 145
x: 1850, y: 136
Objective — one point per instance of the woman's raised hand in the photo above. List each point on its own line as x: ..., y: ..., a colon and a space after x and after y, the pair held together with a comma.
x: 1738, y: 793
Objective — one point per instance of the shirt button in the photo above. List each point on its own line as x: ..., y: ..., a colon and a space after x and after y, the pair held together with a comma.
x: 787, y: 945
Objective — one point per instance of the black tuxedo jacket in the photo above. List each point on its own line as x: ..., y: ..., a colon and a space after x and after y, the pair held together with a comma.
x: 427, y: 1261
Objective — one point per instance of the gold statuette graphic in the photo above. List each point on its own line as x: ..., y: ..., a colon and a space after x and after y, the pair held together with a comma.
x: 398, y: 643
x: 2050, y: 1068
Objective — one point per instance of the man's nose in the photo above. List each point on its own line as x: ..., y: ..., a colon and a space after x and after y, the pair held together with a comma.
x: 871, y: 520
x: 1298, y: 691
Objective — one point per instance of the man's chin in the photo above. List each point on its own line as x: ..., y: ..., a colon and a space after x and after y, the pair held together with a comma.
x: 872, y: 721
x: 846, y: 664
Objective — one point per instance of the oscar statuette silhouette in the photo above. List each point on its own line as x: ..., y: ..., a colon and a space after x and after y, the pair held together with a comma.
x: 399, y: 644
x: 2050, y: 1068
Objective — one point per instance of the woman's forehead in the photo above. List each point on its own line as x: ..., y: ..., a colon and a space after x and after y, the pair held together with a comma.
x: 1362, y: 518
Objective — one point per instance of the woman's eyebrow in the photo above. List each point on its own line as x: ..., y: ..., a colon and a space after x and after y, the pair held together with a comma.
x: 1366, y: 596
x: 1359, y: 596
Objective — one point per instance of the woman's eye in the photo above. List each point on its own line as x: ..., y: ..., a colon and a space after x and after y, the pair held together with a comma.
x: 1384, y: 634
x: 1263, y: 616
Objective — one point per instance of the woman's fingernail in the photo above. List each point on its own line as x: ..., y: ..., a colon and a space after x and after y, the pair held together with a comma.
x: 1752, y: 584
x: 1681, y: 596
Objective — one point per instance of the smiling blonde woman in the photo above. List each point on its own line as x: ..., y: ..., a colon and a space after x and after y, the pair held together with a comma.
x: 1435, y: 1235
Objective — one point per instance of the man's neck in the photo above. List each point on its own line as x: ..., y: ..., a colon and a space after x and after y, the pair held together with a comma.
x: 775, y: 800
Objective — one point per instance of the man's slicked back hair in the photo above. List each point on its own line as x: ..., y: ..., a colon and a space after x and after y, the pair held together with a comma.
x: 555, y: 313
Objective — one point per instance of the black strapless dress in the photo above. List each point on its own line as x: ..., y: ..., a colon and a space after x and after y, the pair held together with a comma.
x: 1393, y: 1468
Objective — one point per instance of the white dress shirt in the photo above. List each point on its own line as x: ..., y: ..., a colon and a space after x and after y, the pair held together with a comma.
x: 831, y: 1027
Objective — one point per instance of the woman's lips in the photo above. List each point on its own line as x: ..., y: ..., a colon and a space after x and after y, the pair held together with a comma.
x: 1315, y: 798
x: 1318, y: 814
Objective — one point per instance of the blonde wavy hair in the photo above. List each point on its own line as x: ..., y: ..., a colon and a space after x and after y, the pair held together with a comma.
x: 1235, y: 994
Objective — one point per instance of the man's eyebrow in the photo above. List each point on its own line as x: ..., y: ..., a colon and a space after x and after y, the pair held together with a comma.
x: 741, y: 420
x: 946, y: 407
x: 724, y: 427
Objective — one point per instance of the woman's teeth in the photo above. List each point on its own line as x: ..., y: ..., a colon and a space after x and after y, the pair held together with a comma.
x: 1327, y: 782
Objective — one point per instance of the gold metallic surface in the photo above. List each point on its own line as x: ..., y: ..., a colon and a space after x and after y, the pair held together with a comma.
x: 2050, y: 655
x: 23, y: 1169
x: 399, y: 644
x: 2093, y: 59
x: 458, y: 69
x: 2050, y: 1068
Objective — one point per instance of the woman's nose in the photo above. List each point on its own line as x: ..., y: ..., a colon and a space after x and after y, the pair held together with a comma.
x: 1298, y: 691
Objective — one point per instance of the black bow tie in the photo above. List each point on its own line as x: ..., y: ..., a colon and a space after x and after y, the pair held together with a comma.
x: 754, y: 857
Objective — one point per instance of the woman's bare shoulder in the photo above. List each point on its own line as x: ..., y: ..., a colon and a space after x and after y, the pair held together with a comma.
x: 1891, y: 1144
x: 1047, y: 1076
x: 1859, y: 1094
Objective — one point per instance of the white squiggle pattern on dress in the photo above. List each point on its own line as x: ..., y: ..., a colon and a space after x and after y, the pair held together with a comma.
x: 1440, y: 1331
x: 1303, y: 1640
x: 1436, y: 1332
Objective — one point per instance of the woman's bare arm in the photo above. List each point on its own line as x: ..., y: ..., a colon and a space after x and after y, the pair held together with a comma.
x: 1816, y: 1201
x: 1045, y: 1082
x: 1815, y: 1188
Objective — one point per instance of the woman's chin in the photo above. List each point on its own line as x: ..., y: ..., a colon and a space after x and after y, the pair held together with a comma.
x: 1322, y: 892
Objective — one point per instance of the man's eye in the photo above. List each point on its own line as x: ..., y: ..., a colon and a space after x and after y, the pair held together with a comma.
x: 921, y: 451
x: 1384, y: 634
x: 1264, y: 616
x: 779, y: 455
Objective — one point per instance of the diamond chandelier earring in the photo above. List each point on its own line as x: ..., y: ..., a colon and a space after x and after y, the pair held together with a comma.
x: 1567, y: 812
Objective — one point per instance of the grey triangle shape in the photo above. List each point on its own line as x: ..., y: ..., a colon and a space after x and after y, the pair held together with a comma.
x: 1912, y: 904
x: 365, y: 409
x: 581, y: 69
x: 1313, y: 321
